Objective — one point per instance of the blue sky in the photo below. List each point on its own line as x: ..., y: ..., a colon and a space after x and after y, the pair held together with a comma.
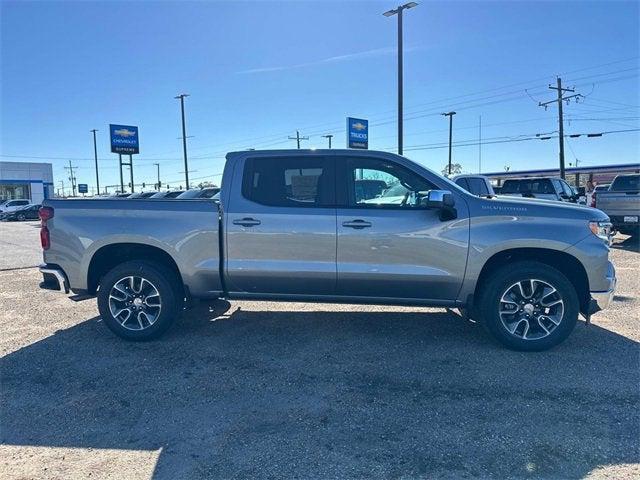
x: 257, y: 71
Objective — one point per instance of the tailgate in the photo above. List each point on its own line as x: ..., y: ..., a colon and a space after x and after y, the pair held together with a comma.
x: 618, y: 203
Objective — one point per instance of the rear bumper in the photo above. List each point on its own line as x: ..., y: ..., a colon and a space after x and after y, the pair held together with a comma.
x: 619, y: 223
x: 54, y: 278
x: 602, y: 299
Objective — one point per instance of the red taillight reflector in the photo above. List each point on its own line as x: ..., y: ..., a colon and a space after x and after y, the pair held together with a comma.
x: 45, y: 241
x: 45, y: 213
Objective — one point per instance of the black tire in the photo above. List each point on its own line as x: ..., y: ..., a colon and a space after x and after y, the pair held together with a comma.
x: 21, y: 217
x: 535, y: 326
x: 170, y: 298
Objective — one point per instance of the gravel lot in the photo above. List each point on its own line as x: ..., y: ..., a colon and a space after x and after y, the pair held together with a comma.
x: 274, y: 390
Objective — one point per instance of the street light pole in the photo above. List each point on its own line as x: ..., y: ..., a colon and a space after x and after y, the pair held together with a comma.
x: 398, y: 11
x: 450, y: 115
x: 158, y: 167
x: 95, y: 156
x: 184, y: 138
x: 329, y: 137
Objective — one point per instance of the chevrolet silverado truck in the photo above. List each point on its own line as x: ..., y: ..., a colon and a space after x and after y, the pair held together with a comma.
x: 294, y: 226
x: 621, y: 202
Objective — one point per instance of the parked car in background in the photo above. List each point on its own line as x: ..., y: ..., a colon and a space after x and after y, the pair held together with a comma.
x: 11, y: 205
x: 28, y: 212
x: 113, y: 195
x: 142, y: 194
x: 621, y: 201
x: 479, y: 185
x: 291, y: 227
x: 207, y: 192
x: 167, y: 194
x: 545, y: 188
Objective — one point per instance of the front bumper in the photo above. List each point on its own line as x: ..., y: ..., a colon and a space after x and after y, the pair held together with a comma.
x: 54, y: 278
x: 602, y: 299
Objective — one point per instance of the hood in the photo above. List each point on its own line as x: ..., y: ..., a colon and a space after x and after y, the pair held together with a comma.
x: 539, y: 207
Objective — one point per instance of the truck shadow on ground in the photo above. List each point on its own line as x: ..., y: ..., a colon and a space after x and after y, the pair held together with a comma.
x: 310, y: 394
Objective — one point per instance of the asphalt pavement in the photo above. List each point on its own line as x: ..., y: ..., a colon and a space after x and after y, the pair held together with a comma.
x: 277, y: 390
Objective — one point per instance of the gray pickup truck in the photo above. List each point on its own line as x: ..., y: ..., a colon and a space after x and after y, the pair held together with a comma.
x: 621, y: 202
x: 292, y: 226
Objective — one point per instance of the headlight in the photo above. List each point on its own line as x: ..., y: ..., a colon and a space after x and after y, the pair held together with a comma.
x: 601, y: 230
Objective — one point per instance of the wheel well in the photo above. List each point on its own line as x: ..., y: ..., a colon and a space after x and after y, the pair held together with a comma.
x: 569, y: 265
x: 112, y: 255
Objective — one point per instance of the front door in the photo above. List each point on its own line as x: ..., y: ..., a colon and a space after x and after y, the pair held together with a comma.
x: 389, y: 245
x: 281, y: 229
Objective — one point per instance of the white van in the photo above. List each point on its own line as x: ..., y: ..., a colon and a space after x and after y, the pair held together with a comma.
x: 11, y: 205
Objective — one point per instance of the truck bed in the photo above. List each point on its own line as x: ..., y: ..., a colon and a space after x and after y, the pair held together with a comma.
x: 186, y: 230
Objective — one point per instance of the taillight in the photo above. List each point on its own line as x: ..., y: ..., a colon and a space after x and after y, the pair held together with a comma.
x: 45, y: 213
x: 45, y: 240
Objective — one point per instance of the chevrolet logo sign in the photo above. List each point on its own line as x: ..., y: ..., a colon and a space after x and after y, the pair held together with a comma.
x: 358, y: 126
x: 125, y: 132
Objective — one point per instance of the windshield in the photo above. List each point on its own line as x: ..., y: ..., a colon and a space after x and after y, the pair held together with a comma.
x: 534, y: 185
x: 398, y: 190
x: 193, y: 193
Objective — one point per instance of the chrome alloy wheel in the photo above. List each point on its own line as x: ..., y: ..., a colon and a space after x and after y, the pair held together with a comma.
x: 531, y: 309
x: 135, y: 303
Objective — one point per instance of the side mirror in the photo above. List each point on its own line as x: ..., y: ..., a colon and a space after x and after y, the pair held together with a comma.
x: 438, y: 199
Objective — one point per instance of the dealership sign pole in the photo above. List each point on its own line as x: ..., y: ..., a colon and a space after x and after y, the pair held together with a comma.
x: 124, y: 140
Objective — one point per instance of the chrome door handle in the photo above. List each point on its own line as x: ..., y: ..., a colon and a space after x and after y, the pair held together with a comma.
x: 247, y: 222
x: 356, y: 224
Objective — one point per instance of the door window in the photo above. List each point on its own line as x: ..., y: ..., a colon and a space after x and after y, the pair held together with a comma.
x: 289, y: 181
x: 388, y: 185
x: 463, y: 183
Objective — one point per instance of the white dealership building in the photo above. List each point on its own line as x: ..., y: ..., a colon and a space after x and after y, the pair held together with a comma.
x: 33, y: 181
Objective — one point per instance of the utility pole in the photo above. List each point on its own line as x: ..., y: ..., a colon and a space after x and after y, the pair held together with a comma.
x: 480, y: 144
x: 297, y: 138
x: 398, y: 11
x: 450, y: 115
x: 328, y: 136
x: 559, y: 100
x: 72, y: 177
x: 184, y: 138
x: 158, y: 167
x: 95, y: 156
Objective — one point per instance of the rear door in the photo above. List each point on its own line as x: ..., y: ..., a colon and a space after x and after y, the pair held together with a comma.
x: 390, y: 245
x: 281, y: 226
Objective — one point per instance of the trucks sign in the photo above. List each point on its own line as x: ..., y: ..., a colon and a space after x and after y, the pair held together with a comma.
x: 357, y: 133
x: 124, y: 139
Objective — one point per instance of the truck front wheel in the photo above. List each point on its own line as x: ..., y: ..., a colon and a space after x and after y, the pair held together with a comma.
x: 139, y: 300
x: 529, y: 306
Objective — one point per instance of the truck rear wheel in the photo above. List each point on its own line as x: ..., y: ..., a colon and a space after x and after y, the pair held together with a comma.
x: 139, y: 300
x: 529, y: 306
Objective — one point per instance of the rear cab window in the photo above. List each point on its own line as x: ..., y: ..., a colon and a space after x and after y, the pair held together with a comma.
x: 627, y: 183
